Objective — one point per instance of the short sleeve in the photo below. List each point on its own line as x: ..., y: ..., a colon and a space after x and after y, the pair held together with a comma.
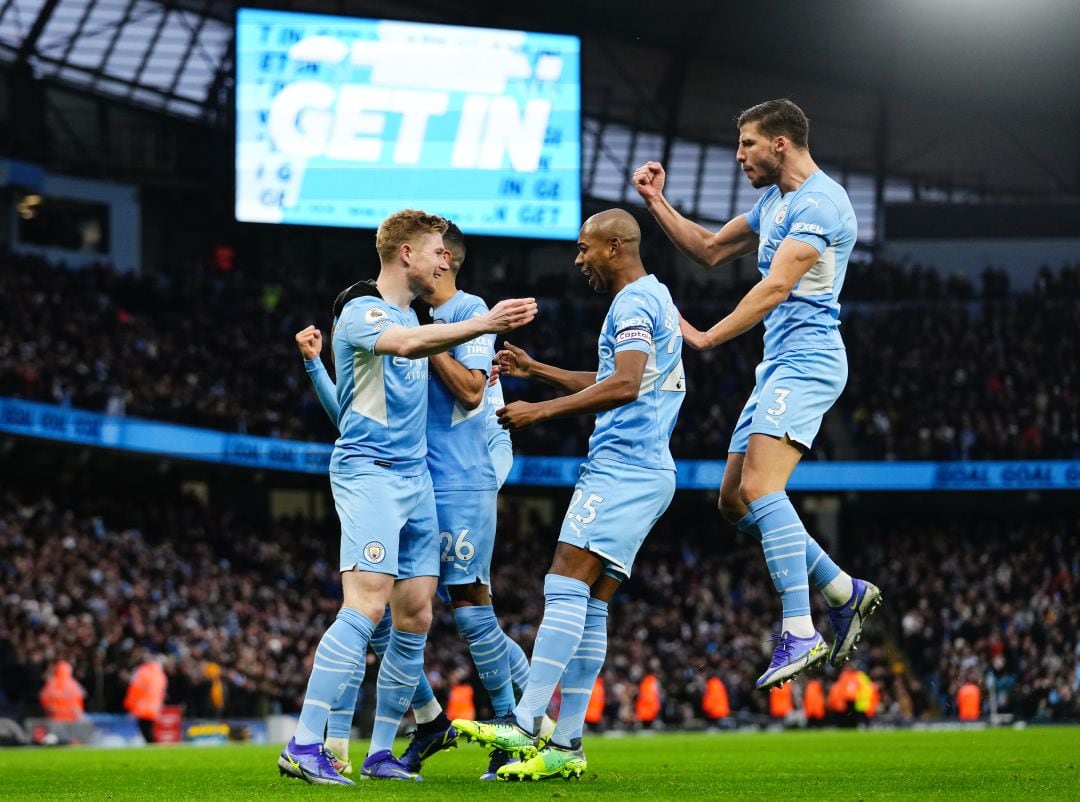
x: 477, y: 353
x: 365, y: 319
x: 633, y: 322
x: 815, y: 220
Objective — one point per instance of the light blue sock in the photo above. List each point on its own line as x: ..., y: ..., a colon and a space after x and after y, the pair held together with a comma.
x: 783, y: 539
x: 487, y: 645
x: 581, y: 673
x: 381, y: 640
x: 748, y: 525
x: 401, y: 668
x: 819, y: 565
x: 339, y: 725
x: 565, y: 602
x: 519, y: 665
x: 339, y: 659
x: 341, y: 715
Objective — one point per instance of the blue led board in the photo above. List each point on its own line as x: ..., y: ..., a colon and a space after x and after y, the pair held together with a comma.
x: 341, y: 121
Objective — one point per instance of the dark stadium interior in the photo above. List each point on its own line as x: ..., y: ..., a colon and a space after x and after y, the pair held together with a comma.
x: 108, y: 557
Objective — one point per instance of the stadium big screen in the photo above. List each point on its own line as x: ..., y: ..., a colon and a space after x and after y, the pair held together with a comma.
x: 341, y: 121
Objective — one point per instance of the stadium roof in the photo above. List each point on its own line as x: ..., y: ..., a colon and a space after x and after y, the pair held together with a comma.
x: 977, y: 94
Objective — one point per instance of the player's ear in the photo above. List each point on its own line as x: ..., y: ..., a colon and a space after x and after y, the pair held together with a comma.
x: 405, y: 252
x: 614, y: 244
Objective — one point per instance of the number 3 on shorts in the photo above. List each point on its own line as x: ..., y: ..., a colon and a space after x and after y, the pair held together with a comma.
x: 781, y: 403
x: 588, y: 507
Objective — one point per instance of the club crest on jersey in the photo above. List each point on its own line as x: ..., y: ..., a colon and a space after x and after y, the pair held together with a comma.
x: 374, y: 315
x: 780, y: 215
x: 374, y: 552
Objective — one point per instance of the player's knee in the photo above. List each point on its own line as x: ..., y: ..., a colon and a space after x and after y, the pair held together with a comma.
x: 370, y: 608
x: 414, y: 618
x: 731, y: 505
x: 752, y: 487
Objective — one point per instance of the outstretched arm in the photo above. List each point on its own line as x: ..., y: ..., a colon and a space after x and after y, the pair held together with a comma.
x: 705, y: 247
x: 434, y: 338
x: 513, y: 361
x: 618, y: 389
x: 793, y: 258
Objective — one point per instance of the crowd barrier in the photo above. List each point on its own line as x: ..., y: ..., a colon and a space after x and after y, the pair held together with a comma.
x: 67, y: 425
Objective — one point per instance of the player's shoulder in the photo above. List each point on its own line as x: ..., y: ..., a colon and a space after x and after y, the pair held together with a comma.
x: 369, y: 309
x: 821, y: 187
x: 473, y: 304
x: 646, y: 295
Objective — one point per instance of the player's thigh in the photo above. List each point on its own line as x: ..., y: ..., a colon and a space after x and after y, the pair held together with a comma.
x: 800, y: 387
x: 419, y: 549
x: 367, y: 592
x: 613, y: 508
x: 373, y: 506
x: 467, y: 520
x: 410, y: 603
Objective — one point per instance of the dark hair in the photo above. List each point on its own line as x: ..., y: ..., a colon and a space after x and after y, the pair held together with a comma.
x: 779, y: 117
x: 357, y: 290
x: 454, y: 240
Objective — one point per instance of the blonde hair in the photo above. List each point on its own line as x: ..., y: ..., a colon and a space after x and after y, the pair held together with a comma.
x: 403, y: 227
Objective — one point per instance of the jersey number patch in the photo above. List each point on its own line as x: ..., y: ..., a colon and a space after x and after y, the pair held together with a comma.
x: 780, y: 404
x: 588, y: 507
x: 460, y: 550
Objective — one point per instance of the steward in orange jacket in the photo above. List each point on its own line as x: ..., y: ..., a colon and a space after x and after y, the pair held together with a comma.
x: 781, y: 703
x: 814, y: 700
x: 714, y: 704
x: 594, y: 713
x: 648, y: 700
x: 62, y: 697
x: 146, y: 696
x: 969, y: 702
x: 461, y: 703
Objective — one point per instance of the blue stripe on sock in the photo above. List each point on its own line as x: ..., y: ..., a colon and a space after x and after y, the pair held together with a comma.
x: 783, y: 541
x: 487, y: 645
x: 339, y: 661
x: 581, y: 673
x: 399, y: 673
x: 565, y: 601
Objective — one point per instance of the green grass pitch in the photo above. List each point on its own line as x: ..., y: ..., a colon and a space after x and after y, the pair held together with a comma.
x: 1038, y: 762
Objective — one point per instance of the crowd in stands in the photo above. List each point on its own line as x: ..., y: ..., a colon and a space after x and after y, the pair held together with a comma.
x: 237, y: 606
x: 939, y: 368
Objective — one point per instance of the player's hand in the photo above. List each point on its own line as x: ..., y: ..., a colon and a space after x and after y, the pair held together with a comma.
x: 649, y: 180
x: 695, y: 338
x: 493, y: 374
x: 518, y: 415
x: 514, y: 362
x: 511, y: 314
x: 309, y: 342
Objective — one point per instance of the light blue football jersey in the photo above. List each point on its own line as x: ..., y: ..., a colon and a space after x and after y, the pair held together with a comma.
x: 642, y: 317
x: 458, y: 454
x: 493, y: 402
x: 818, y: 213
x: 382, y: 399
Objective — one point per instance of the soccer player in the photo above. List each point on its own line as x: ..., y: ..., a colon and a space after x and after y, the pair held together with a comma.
x: 625, y: 486
x: 803, y: 229
x: 468, y: 466
x: 382, y: 489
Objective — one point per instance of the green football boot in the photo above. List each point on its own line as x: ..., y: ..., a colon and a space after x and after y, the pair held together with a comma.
x: 550, y: 762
